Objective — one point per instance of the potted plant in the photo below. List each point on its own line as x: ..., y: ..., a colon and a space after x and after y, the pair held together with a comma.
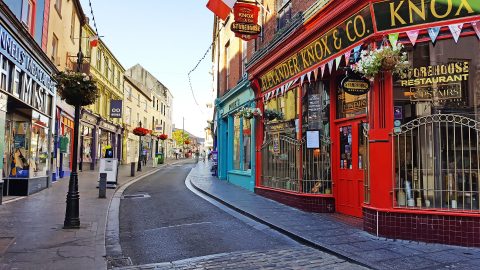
x: 385, y: 58
x: 272, y: 115
x: 140, y: 131
x: 249, y: 113
x: 77, y: 89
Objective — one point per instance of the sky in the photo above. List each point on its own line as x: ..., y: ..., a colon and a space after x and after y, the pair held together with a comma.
x: 168, y: 38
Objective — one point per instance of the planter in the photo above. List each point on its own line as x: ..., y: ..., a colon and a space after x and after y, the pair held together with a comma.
x: 77, y: 89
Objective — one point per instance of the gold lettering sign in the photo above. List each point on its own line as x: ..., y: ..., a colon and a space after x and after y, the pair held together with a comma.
x: 393, y: 14
x: 354, y: 29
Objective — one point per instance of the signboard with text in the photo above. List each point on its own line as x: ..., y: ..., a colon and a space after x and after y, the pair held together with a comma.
x: 245, y: 21
x: 115, y: 108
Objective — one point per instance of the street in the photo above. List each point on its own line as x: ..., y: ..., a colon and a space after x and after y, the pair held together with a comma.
x: 170, y: 223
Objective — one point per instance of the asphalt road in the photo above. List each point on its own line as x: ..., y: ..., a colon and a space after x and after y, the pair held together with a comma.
x: 172, y: 223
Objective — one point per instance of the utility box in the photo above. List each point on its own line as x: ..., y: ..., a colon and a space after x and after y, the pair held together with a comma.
x: 110, y: 167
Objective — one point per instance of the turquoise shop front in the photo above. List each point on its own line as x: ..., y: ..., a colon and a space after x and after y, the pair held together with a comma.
x: 236, y: 137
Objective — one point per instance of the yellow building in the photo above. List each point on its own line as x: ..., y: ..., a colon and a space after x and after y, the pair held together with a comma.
x: 98, y: 129
x: 64, y: 25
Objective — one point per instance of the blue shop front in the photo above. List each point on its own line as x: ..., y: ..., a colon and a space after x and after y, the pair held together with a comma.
x: 236, y: 136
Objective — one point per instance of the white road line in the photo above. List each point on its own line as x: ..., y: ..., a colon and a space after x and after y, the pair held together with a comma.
x: 179, y: 225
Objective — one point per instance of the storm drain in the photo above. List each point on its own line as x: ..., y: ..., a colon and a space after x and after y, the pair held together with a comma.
x: 136, y: 196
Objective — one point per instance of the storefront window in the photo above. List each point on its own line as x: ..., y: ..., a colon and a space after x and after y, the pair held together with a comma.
x: 349, y: 106
x: 247, y: 164
x: 86, y: 143
x: 437, y: 128
x: 39, y: 145
x: 18, y: 137
x: 236, y: 143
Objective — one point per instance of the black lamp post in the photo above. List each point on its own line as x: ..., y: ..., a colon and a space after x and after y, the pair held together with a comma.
x: 72, y: 219
x: 139, y: 166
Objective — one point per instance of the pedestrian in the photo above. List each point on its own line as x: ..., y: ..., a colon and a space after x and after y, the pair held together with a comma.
x: 176, y: 153
x: 204, y: 155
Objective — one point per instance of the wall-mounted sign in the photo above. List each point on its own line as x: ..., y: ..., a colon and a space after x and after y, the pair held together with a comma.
x: 392, y: 14
x: 115, y: 108
x: 355, y: 85
x: 246, y: 17
x: 313, y: 139
x: 350, y: 31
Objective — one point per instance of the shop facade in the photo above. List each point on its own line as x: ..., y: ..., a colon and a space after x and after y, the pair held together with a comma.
x: 27, y: 110
x: 63, y: 141
x: 236, y: 137
x: 402, y: 154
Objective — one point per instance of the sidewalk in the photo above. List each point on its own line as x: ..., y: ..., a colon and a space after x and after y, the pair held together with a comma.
x: 31, y: 228
x: 329, y: 232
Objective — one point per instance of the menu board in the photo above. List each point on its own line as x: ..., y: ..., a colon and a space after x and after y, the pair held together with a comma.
x: 314, y: 111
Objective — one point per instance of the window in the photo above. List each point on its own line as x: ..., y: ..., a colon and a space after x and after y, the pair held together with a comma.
x: 128, y: 115
x: 118, y: 78
x: 72, y: 25
x: 161, y: 108
x: 99, y: 59
x: 138, y: 100
x: 128, y: 92
x: 436, y: 120
x: 4, y: 73
x: 55, y: 50
x: 138, y: 118
x: 145, y: 123
x: 27, y: 14
x: 113, y: 73
x: 226, y: 64
x: 107, y: 68
x: 145, y: 105
x: 284, y: 14
x: 58, y: 7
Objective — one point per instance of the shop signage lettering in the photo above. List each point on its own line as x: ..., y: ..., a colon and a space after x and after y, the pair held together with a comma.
x: 234, y: 104
x: 440, y: 93
x: 107, y: 126
x: 355, y: 85
x: 393, y: 14
x: 445, y: 73
x: 89, y: 119
x: 355, y: 28
x: 355, y: 105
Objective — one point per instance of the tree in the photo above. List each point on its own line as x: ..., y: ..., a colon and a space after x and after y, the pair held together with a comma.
x: 177, y: 136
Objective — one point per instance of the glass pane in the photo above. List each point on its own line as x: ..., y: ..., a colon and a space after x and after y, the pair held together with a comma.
x: 346, y: 147
x: 236, y: 143
x: 246, y: 145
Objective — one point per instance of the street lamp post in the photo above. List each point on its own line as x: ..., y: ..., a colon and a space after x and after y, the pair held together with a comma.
x: 139, y: 166
x: 72, y: 211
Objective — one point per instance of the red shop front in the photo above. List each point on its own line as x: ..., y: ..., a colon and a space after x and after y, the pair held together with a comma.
x: 402, y: 154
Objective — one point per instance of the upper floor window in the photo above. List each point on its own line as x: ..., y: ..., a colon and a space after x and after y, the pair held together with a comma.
x: 128, y: 92
x: 27, y: 14
x: 58, y: 6
x: 113, y: 73
x: 54, y: 49
x: 118, y: 78
x: 138, y: 101
x: 227, y: 64
x: 99, y: 59
x: 284, y: 14
x: 72, y: 25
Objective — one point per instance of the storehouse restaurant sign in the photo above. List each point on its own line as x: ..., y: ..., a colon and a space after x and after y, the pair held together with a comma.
x: 389, y: 16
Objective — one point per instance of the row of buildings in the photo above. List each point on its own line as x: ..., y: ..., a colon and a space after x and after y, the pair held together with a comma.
x: 38, y: 39
x: 403, y: 156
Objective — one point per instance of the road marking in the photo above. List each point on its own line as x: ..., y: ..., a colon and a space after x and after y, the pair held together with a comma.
x: 179, y: 225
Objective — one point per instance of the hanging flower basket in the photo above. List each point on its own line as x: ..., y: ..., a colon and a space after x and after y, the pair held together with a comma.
x: 385, y: 58
x: 139, y: 131
x: 249, y: 113
x: 187, y: 142
x: 272, y: 115
x: 77, y: 89
x: 163, y: 137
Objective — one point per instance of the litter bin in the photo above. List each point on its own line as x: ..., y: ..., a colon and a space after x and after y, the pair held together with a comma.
x: 159, y: 158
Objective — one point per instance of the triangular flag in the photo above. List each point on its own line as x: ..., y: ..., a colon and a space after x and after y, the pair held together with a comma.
x: 356, y: 52
x: 301, y: 79
x: 277, y: 92
x: 330, y: 65
x: 433, y: 33
x: 413, y: 35
x: 309, y: 74
x: 347, y: 57
x: 282, y: 90
x: 322, y: 68
x: 315, y: 73
x: 338, y: 60
x: 221, y: 8
x: 456, y: 30
x: 393, y: 38
x: 476, y: 27
x: 285, y: 88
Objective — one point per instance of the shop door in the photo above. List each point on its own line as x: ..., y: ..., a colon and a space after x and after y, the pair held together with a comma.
x: 350, y: 162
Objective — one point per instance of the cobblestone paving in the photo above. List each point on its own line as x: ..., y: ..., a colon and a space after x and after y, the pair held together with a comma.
x: 291, y: 258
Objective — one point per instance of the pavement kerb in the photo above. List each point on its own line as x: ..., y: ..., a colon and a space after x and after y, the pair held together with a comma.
x: 112, y: 229
x: 282, y: 230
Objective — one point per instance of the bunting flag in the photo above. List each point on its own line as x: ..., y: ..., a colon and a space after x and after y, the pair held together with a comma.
x: 221, y: 8
x: 301, y: 79
x: 413, y: 35
x: 277, y: 92
x: 322, y: 68
x: 456, y: 30
x: 330, y: 65
x: 338, y: 60
x: 476, y: 27
x: 356, y: 52
x: 285, y: 88
x: 315, y: 73
x: 433, y: 33
x: 393, y: 38
x: 347, y: 57
x: 309, y: 74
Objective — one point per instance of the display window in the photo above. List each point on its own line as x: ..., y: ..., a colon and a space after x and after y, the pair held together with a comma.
x: 437, y: 128
x: 86, y: 143
x: 39, y: 145
x: 241, y: 143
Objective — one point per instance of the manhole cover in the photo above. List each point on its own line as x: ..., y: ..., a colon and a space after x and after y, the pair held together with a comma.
x: 135, y: 196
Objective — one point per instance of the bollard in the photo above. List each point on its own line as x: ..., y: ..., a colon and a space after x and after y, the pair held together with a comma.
x: 132, y: 169
x: 102, y: 186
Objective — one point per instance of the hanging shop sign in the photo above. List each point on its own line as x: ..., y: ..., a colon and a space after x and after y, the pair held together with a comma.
x: 355, y: 85
x: 394, y: 14
x: 29, y: 82
x: 246, y: 17
x: 115, y: 108
x: 350, y: 31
